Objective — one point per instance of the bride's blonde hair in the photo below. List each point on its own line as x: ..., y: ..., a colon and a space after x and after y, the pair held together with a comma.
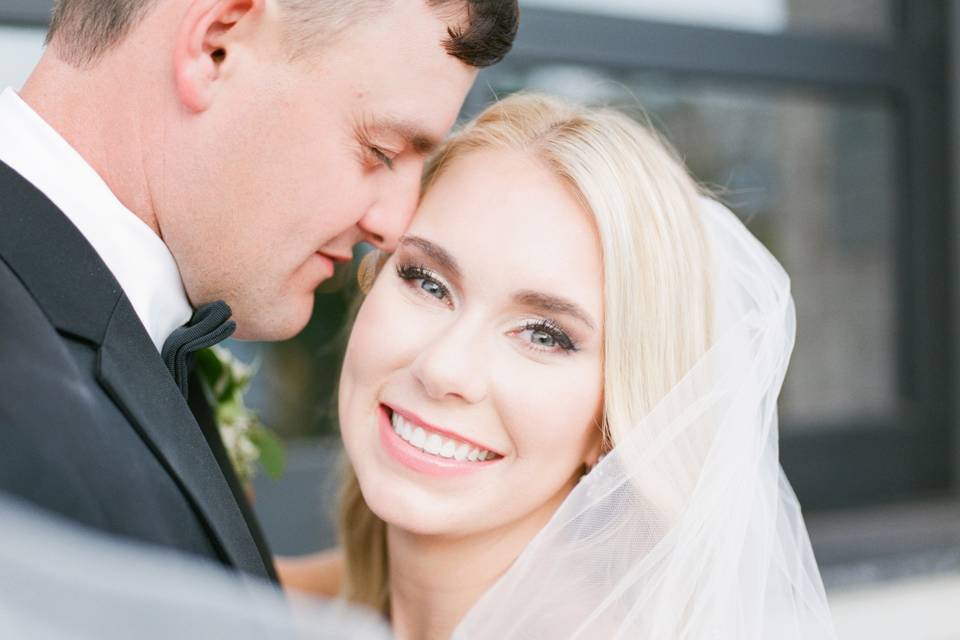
x: 657, y: 302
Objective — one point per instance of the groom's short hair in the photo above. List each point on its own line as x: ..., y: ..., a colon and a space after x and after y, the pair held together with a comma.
x: 85, y: 29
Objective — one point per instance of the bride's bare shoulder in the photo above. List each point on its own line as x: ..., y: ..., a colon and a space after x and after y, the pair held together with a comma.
x: 319, y: 574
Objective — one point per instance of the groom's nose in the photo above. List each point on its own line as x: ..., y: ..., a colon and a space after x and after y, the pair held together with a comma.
x: 389, y: 216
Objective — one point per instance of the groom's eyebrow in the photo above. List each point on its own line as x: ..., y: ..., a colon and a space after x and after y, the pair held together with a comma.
x: 422, y: 142
x: 435, y: 252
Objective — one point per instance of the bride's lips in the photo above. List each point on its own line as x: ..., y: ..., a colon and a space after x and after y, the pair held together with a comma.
x: 420, y: 461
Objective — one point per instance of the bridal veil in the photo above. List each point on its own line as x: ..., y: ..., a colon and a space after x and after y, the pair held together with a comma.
x: 688, y: 529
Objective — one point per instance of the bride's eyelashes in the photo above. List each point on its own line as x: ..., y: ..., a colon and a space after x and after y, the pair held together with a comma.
x: 539, y: 335
x: 545, y: 336
x: 425, y: 282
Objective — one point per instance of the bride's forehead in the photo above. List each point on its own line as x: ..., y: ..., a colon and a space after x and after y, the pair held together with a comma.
x: 543, y: 248
x: 505, y: 203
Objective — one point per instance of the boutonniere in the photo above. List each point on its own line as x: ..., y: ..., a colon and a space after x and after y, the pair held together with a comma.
x: 246, y: 439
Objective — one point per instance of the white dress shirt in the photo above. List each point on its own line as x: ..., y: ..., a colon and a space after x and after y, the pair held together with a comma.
x: 137, y: 257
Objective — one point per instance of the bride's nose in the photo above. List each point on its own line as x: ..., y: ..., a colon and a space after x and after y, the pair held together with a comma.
x: 452, y: 364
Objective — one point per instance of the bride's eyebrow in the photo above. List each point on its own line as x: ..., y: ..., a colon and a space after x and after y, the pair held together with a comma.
x: 552, y: 304
x: 435, y: 252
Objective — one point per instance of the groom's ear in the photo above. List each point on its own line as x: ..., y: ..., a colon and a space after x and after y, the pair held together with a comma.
x: 204, y: 43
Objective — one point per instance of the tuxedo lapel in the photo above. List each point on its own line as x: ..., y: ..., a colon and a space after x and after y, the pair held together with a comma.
x: 145, y: 390
x: 203, y: 413
x: 82, y: 298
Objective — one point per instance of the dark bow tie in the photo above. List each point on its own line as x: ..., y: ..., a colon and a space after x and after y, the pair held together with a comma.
x: 210, y: 325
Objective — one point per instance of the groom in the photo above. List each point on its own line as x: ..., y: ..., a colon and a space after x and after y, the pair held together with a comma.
x: 168, y: 155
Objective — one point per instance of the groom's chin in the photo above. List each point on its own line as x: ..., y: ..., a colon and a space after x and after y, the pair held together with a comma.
x: 282, y: 322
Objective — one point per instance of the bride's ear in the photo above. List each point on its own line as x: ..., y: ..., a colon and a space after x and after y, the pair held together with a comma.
x: 205, y: 40
x: 596, y: 452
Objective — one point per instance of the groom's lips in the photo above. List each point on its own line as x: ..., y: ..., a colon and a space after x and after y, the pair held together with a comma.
x: 336, y: 257
x: 328, y: 262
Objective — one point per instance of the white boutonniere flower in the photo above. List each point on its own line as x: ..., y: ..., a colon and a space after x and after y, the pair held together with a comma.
x: 247, y: 440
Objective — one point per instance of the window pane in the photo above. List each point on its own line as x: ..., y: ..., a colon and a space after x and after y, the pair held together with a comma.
x: 812, y: 175
x: 20, y: 49
x: 871, y: 19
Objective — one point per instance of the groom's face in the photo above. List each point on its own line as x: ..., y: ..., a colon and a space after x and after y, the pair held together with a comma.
x: 293, y: 163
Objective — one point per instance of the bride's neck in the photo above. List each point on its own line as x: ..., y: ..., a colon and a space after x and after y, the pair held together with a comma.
x: 433, y: 583
x: 435, y: 580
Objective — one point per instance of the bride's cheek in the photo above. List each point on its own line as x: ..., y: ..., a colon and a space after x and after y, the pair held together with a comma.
x: 390, y: 330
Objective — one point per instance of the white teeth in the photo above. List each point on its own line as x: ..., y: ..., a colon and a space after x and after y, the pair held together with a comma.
x: 448, y: 449
x: 435, y: 444
x: 419, y: 438
x: 397, y: 425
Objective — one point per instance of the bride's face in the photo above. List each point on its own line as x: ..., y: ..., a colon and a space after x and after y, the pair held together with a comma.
x: 471, y: 390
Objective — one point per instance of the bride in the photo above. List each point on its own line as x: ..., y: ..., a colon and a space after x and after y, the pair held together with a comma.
x: 558, y: 402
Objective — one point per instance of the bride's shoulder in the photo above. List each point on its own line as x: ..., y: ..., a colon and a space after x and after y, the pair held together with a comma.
x: 320, y: 574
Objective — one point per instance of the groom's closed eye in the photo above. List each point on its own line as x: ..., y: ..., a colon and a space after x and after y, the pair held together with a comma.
x: 404, y: 132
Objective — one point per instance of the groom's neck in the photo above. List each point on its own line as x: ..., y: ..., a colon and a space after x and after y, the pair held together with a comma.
x: 105, y: 117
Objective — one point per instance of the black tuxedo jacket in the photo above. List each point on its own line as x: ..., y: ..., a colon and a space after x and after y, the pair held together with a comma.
x: 92, y: 425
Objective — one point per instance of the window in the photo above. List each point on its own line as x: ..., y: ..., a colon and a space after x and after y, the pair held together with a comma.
x: 828, y: 139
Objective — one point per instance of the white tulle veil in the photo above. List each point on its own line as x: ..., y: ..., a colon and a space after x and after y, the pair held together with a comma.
x: 61, y: 582
x: 688, y: 529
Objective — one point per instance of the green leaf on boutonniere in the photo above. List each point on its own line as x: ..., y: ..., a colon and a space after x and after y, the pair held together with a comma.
x: 246, y: 439
x: 273, y: 456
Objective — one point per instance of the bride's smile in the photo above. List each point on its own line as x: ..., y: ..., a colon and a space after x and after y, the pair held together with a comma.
x: 429, y: 449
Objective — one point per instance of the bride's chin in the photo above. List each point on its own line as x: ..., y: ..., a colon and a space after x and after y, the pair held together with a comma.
x: 417, y: 515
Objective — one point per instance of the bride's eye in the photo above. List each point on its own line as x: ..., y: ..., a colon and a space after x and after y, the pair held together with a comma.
x: 425, y: 282
x: 543, y: 339
x: 545, y: 335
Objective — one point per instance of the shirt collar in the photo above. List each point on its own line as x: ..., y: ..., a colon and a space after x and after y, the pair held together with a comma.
x: 137, y: 257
